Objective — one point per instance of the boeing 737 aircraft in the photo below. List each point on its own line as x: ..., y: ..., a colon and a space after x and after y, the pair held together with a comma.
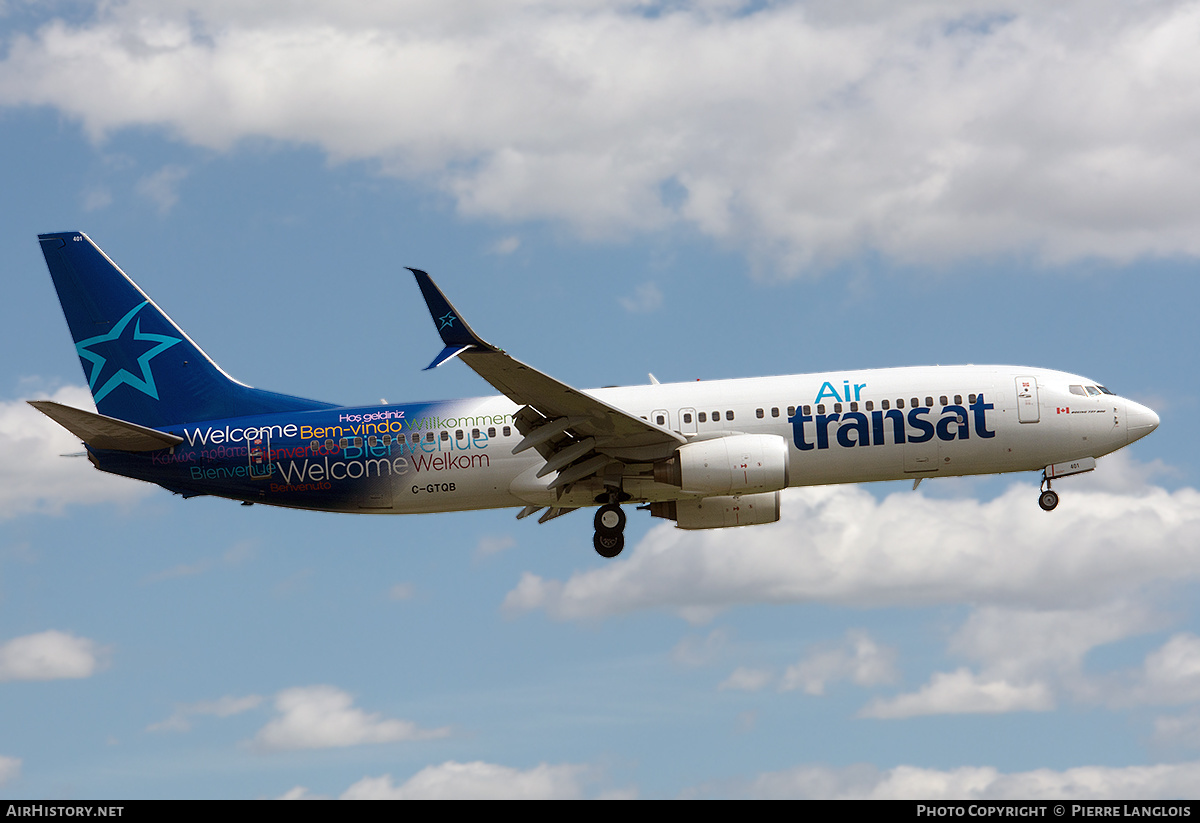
x: 708, y: 454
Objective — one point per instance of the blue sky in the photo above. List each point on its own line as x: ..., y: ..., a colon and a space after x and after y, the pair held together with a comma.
x: 607, y: 190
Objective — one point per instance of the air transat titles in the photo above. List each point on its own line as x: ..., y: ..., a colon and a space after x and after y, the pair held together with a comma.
x: 855, y: 429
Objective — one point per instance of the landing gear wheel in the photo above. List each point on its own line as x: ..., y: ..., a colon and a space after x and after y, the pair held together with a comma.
x: 610, y: 520
x: 608, y: 545
x: 1048, y: 500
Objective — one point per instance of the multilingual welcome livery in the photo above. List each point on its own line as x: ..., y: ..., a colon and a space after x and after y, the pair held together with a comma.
x: 708, y: 454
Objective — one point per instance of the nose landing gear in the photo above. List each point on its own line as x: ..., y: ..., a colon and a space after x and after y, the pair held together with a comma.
x: 610, y: 530
x: 1048, y: 499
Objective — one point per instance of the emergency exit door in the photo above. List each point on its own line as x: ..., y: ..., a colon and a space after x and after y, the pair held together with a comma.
x: 1028, y: 408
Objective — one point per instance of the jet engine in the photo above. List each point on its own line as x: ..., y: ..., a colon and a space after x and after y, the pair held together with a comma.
x: 738, y: 464
x: 720, y: 512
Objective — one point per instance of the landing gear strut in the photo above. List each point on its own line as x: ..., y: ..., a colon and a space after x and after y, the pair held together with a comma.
x: 610, y: 530
x: 1048, y: 499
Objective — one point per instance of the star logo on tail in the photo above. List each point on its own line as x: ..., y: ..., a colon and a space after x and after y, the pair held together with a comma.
x: 446, y: 319
x: 127, y: 352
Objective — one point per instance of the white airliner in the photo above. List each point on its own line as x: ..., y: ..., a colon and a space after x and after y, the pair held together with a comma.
x: 707, y: 454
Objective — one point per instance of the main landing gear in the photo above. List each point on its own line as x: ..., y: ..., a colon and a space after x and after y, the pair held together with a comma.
x: 1048, y: 499
x: 610, y: 530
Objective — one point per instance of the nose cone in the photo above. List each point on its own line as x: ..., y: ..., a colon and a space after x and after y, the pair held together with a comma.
x: 1139, y: 420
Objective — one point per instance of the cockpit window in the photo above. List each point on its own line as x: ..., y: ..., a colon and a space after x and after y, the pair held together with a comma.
x: 1079, y: 391
x: 1106, y: 391
x: 1093, y: 391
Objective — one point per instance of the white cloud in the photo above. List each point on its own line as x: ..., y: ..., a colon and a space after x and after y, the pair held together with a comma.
x: 803, y: 132
x: 1166, y: 781
x: 494, y: 544
x: 402, y: 591
x: 839, y: 544
x: 1172, y: 673
x: 962, y: 692
x: 506, y: 245
x: 745, y: 679
x: 10, y: 769
x: 34, y: 477
x: 476, y: 781
x: 96, y: 198
x: 162, y: 187
x: 999, y: 637
x: 694, y: 650
x: 236, y: 555
x: 1017, y: 673
x: 318, y: 717
x: 1178, y: 730
x: 865, y: 663
x: 301, y: 793
x: 180, y: 719
x: 49, y: 655
x: 646, y: 298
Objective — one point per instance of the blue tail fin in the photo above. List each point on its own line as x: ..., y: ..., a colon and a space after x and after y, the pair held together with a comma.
x: 140, y: 366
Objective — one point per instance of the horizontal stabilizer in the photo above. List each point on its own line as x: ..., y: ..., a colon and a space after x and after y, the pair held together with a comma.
x: 103, y: 432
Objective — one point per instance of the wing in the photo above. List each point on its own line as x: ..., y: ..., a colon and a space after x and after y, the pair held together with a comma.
x: 579, y: 435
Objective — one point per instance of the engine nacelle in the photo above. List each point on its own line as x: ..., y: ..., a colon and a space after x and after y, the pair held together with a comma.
x: 720, y: 512
x: 738, y: 464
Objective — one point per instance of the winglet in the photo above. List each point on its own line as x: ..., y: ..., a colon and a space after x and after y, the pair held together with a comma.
x: 455, y: 332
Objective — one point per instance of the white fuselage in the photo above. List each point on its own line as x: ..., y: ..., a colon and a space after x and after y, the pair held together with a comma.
x: 839, y: 427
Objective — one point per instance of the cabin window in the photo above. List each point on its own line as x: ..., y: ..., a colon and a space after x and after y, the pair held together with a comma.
x: 358, y: 442
x: 428, y: 437
x: 820, y: 408
x: 929, y: 401
x: 870, y: 405
x: 458, y: 434
x: 958, y: 399
x: 344, y: 443
x: 791, y: 411
x: 853, y: 406
x: 916, y: 402
x: 945, y: 400
x: 660, y: 420
x: 316, y: 444
x: 416, y: 437
x: 474, y: 434
x: 329, y: 443
x: 900, y: 402
x: 507, y: 431
x: 774, y: 411
x: 702, y: 417
x: 971, y: 398
x: 886, y: 405
x: 729, y: 415
x: 372, y: 441
x: 807, y: 410
x: 491, y: 431
x: 837, y: 408
x: 716, y: 416
x: 445, y: 435
x: 759, y: 414
x: 687, y: 417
